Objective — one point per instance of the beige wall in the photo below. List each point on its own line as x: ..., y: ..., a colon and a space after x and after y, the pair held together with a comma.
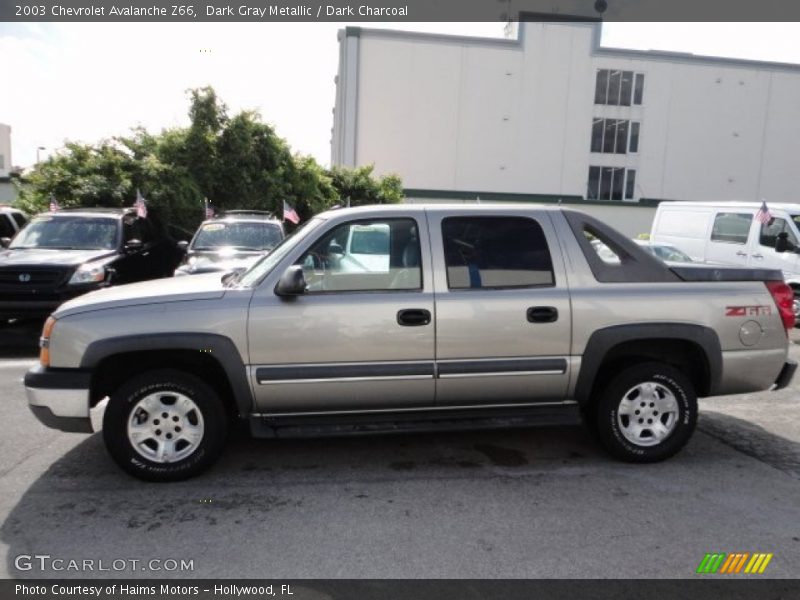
x: 501, y: 116
x: 5, y: 150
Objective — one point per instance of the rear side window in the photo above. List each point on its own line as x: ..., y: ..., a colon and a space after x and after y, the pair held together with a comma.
x: 20, y: 219
x: 7, y: 228
x: 731, y: 228
x: 769, y: 233
x: 495, y: 252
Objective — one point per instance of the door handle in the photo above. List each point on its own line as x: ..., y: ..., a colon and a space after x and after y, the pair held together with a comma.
x: 758, y: 256
x: 413, y: 317
x: 740, y: 253
x: 542, y: 314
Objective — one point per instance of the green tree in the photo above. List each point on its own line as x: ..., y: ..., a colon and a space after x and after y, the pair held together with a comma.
x: 237, y: 162
x: 361, y: 187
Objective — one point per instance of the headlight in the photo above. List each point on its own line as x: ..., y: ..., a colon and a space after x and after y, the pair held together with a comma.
x: 88, y: 273
x: 44, y: 341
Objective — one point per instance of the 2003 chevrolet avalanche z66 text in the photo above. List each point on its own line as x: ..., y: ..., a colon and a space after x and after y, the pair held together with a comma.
x: 392, y: 318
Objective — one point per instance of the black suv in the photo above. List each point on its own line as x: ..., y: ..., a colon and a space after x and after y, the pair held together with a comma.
x: 62, y: 254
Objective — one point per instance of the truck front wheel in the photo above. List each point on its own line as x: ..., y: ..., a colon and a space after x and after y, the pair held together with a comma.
x: 647, y: 413
x: 164, y: 425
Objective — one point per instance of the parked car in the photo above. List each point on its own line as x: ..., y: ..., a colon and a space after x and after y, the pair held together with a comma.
x: 11, y: 221
x: 233, y: 241
x: 465, y: 316
x: 666, y: 252
x: 727, y: 233
x: 63, y: 254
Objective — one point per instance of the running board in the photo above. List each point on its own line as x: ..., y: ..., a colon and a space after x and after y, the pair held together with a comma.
x: 385, y: 422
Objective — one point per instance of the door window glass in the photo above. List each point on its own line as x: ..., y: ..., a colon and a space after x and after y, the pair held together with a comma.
x: 362, y: 256
x: 6, y: 226
x: 495, y: 252
x: 769, y: 233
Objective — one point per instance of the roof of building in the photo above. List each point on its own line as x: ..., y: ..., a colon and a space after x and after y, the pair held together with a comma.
x: 597, y: 48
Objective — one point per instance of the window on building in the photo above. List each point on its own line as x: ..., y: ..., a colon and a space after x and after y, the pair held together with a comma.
x: 611, y: 183
x: 638, y: 88
x: 630, y: 184
x: 731, y: 228
x: 597, y: 135
x: 769, y: 233
x: 615, y: 136
x: 495, y: 252
x: 633, y: 144
x: 618, y: 88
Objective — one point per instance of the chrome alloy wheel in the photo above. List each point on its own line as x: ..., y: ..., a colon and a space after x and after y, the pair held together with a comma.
x: 165, y: 427
x: 647, y: 414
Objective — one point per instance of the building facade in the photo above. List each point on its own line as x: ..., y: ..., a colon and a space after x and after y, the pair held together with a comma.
x: 7, y: 191
x: 553, y: 115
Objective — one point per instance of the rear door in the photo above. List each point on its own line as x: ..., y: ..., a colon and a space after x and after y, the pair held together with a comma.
x: 503, y: 317
x: 362, y: 336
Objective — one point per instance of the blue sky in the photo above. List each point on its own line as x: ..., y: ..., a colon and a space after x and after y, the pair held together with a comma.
x: 84, y: 82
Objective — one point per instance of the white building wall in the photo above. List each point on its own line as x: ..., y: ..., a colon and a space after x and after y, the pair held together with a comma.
x: 5, y: 151
x: 467, y: 115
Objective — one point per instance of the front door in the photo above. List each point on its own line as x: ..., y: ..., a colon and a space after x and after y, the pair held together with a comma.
x: 503, y: 322
x: 362, y: 336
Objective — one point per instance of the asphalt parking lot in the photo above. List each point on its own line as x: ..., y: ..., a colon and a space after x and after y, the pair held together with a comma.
x: 513, y: 504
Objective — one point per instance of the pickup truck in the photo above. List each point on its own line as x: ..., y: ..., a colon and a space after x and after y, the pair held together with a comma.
x: 408, y: 317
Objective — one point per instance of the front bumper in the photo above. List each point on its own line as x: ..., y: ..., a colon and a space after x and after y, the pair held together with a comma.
x: 786, y: 374
x: 59, y: 398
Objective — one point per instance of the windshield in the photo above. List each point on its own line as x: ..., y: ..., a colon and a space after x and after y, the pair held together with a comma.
x: 69, y: 233
x: 242, y: 236
x: 259, y: 270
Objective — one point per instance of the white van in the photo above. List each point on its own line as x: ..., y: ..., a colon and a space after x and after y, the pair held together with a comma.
x: 727, y: 233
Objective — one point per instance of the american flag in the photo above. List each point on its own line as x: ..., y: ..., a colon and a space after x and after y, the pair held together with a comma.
x: 53, y: 204
x: 763, y: 215
x: 141, y: 205
x: 209, y: 209
x: 289, y: 213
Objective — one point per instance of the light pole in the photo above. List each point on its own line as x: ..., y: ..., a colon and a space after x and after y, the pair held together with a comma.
x: 37, y: 153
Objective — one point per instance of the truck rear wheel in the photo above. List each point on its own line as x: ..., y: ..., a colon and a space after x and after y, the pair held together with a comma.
x: 647, y: 413
x: 164, y: 425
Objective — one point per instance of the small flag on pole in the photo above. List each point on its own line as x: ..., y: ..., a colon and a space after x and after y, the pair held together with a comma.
x: 289, y: 213
x: 53, y: 203
x: 763, y: 215
x: 209, y: 209
x: 141, y: 205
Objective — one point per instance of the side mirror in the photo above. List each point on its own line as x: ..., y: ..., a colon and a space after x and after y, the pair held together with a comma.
x: 4, y: 242
x: 226, y: 279
x: 782, y: 243
x: 183, y: 245
x: 291, y: 283
x: 134, y: 245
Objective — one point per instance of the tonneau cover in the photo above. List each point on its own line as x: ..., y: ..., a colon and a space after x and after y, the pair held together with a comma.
x: 715, y: 273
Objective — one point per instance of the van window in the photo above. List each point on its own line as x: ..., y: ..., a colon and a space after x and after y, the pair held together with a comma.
x: 769, y: 233
x: 731, y: 228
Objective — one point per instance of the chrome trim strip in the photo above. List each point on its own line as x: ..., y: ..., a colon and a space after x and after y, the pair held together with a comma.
x: 413, y: 409
x: 498, y: 374
x: 344, y: 379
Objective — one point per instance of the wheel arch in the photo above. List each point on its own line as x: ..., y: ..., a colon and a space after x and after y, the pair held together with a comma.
x: 695, y: 349
x: 214, y: 358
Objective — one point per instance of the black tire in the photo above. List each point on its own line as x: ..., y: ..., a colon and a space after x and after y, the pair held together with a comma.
x: 610, y: 428
x: 122, y: 403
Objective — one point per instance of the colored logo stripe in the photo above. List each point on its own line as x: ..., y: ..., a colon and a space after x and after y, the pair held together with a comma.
x: 721, y: 562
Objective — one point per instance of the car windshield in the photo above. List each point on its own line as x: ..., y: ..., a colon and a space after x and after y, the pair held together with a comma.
x: 69, y: 233
x: 259, y: 270
x: 242, y: 236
